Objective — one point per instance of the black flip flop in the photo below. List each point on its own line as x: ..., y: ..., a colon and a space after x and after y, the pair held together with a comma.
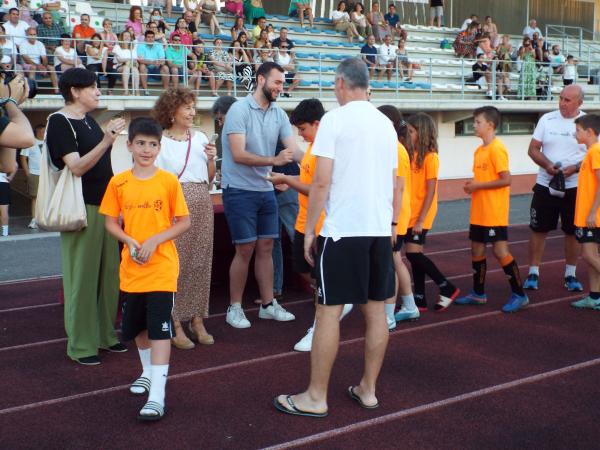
x: 358, y: 400
x: 295, y: 411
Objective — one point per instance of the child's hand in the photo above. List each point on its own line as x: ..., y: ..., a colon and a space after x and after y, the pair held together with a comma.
x: 277, y: 178
x: 211, y: 151
x: 146, y: 250
x: 469, y: 187
x: 417, y: 228
x: 590, y: 222
x: 134, y: 247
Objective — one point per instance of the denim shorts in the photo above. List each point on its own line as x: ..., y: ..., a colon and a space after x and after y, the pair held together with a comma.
x: 250, y: 215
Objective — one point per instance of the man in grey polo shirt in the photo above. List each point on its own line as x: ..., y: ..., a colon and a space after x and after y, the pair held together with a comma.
x: 251, y: 130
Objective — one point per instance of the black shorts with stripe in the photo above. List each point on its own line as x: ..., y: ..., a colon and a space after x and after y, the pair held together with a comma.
x: 587, y: 235
x: 355, y: 270
x: 479, y: 233
x: 415, y: 238
x: 147, y: 311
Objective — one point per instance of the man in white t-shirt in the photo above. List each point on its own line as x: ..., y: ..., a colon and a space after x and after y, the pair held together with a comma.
x: 386, y: 56
x: 532, y: 28
x: 555, y: 149
x: 35, y: 60
x: 30, y: 162
x: 356, y: 150
x: 14, y: 27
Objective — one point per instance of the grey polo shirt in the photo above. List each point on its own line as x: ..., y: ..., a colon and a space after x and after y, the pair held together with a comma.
x: 262, y: 130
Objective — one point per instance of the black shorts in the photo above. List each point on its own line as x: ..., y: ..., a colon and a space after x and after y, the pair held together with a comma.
x: 587, y: 235
x: 399, y: 241
x: 478, y: 233
x: 147, y: 311
x: 4, y: 194
x: 546, y: 209
x: 355, y: 270
x: 418, y: 239
x: 299, y: 263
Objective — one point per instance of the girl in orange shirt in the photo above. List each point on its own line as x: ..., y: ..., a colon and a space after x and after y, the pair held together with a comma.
x: 423, y: 205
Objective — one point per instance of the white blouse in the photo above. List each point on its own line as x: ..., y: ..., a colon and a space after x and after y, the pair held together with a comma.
x: 172, y: 158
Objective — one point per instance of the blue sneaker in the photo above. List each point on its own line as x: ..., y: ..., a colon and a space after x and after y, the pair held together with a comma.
x: 472, y: 298
x: 515, y: 303
x: 531, y: 282
x: 573, y: 284
x: 407, y: 315
x: 586, y: 303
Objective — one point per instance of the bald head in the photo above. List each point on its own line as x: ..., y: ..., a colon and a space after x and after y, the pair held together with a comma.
x: 571, y: 99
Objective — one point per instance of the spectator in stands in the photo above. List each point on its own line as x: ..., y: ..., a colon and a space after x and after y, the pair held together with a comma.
x: 557, y: 60
x: 65, y: 56
x: 261, y: 24
x: 49, y: 32
x: 270, y: 33
x: 195, y: 8
x: 387, y: 57
x: 25, y: 13
x: 159, y: 36
x: 288, y: 62
x: 209, y: 16
x: 465, y: 44
x: 110, y: 40
x: 157, y: 17
x: 126, y: 62
x: 82, y: 33
x: 262, y: 40
x: 96, y: 54
x: 235, y: 7
x: 283, y: 37
x: 479, y: 69
x: 253, y: 10
x: 360, y: 21
x: 35, y: 60
x: 404, y: 61
x: 222, y: 63
x: 490, y: 27
x: 136, y: 21
x: 244, y: 71
x: 176, y: 59
x: 263, y: 56
x: 299, y: 8
x: 528, y: 76
x: 393, y: 20
x: 436, y: 12
x: 570, y: 72
x: 532, y: 28
x: 191, y: 23
x: 504, y: 63
x: 468, y: 21
x: 53, y: 7
x: 341, y: 22
x: 369, y: 55
x: 181, y: 30
x: 378, y: 23
x: 540, y: 47
x: 7, y: 46
x: 237, y: 28
x: 15, y: 28
x: 198, y: 66
x: 243, y: 40
x: 151, y: 61
x: 30, y: 162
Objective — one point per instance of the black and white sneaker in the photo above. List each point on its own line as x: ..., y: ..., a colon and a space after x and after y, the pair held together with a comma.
x: 117, y: 348
x: 89, y: 360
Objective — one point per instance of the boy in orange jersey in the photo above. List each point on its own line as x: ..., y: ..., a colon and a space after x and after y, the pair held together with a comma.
x: 490, y: 198
x: 305, y: 117
x: 148, y: 199
x: 587, y: 205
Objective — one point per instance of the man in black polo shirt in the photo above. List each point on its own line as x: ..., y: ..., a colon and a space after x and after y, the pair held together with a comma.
x: 369, y: 52
x: 283, y: 33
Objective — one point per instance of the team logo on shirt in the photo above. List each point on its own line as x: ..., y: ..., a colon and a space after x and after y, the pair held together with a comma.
x: 590, y: 233
x: 319, y: 292
x: 158, y: 205
x: 165, y: 326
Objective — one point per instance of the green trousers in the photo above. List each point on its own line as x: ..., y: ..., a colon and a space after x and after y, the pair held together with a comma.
x: 90, y: 264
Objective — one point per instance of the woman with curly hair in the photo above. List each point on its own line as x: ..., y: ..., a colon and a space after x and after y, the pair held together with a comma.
x: 189, y: 155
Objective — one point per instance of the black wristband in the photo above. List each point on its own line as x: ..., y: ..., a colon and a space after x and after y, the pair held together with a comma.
x: 394, y: 224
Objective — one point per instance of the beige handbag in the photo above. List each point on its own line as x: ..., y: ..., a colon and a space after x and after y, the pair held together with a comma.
x: 60, y: 205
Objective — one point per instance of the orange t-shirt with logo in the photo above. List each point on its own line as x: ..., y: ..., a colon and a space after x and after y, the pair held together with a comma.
x: 587, y: 187
x: 148, y: 208
x: 83, y: 33
x: 307, y: 172
x: 490, y: 207
x: 418, y: 191
x: 404, y: 172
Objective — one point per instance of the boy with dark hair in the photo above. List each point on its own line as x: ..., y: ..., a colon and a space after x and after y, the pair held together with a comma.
x: 149, y: 199
x: 587, y: 214
x: 490, y: 199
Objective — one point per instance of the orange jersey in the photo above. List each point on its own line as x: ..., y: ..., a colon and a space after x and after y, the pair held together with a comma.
x: 404, y: 172
x: 148, y: 208
x: 83, y: 33
x: 307, y: 172
x: 418, y: 182
x: 587, y: 186
x: 489, y: 207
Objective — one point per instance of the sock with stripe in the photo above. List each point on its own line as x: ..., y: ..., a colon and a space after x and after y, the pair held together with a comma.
x: 408, y: 302
x: 511, y: 269
x: 479, y: 271
x: 146, y: 372
x: 418, y: 279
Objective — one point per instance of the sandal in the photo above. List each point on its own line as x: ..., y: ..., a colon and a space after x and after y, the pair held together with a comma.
x: 358, y: 400
x: 156, y: 408
x: 293, y: 410
x: 204, y: 339
x: 141, y: 386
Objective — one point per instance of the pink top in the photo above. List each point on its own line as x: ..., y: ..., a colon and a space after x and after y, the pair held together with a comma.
x: 111, y: 39
x: 186, y: 38
x: 137, y: 26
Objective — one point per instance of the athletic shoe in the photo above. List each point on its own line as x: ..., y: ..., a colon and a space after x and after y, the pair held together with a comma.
x: 445, y: 301
x: 572, y: 284
x: 391, y: 323
x: 89, y: 360
x: 531, y: 282
x: 586, y: 303
x: 407, y: 315
x: 347, y: 308
x: 472, y: 298
x: 33, y: 224
x: 305, y: 344
x: 236, y: 317
x: 117, y: 348
x: 275, y: 312
x: 515, y: 303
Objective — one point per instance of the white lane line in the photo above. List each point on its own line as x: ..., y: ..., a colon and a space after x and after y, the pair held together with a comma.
x: 307, y: 440
x: 462, y: 249
x: 25, y: 308
x: 30, y: 280
x: 260, y: 360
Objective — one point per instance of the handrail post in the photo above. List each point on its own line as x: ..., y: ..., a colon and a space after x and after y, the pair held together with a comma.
x: 462, y: 77
x: 430, y: 77
x: 320, y: 78
x: 234, y: 77
x: 494, y: 81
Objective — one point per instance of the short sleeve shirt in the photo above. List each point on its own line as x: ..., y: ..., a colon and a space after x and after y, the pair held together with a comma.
x: 148, y: 207
x: 278, y: 41
x: 392, y: 19
x: 419, y: 177
x: 307, y: 172
x: 34, y: 155
x: 588, y: 186
x: 404, y: 172
x: 34, y: 51
x: 60, y: 51
x: 490, y: 207
x: 83, y: 33
x: 262, y: 130
x: 371, y: 52
x: 152, y: 52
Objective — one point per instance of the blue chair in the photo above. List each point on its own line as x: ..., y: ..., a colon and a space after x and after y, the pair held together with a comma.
x: 331, y: 32
x: 324, y: 83
x: 305, y: 68
x: 377, y: 84
x: 425, y: 86
x: 305, y: 83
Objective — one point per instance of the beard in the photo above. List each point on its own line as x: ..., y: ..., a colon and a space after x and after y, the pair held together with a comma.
x: 268, y: 94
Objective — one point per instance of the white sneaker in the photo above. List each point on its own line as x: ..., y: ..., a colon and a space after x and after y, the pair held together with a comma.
x: 347, y: 308
x: 305, y: 344
x: 275, y: 312
x: 32, y: 224
x: 391, y: 323
x: 236, y: 317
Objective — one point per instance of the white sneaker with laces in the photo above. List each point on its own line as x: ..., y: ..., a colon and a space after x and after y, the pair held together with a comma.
x: 275, y: 312
x: 236, y: 317
x: 305, y: 344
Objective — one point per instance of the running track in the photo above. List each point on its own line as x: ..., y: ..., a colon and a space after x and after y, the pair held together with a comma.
x: 470, y: 377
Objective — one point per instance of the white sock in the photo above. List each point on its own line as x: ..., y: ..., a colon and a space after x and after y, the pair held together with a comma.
x: 570, y: 271
x: 159, y: 381
x: 4, y: 230
x: 408, y: 302
x: 389, y: 309
x: 146, y: 372
x: 534, y: 270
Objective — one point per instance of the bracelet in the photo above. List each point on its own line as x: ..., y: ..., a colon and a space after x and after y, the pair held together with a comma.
x: 4, y: 101
x: 394, y: 224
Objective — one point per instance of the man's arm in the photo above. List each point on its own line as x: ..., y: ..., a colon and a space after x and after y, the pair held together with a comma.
x: 319, y: 191
x: 292, y: 181
x: 538, y: 157
x: 237, y: 144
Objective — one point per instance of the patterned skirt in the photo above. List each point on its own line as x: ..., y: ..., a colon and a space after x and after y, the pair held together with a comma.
x: 195, y: 249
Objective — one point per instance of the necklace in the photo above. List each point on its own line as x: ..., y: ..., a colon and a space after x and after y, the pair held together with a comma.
x: 178, y: 139
x: 83, y: 119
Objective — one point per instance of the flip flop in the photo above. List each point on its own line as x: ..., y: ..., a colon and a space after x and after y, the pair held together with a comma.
x: 141, y: 386
x: 152, y: 406
x: 295, y: 411
x: 358, y: 400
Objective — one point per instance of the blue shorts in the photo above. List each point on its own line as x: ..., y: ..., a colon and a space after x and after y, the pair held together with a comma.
x: 250, y: 215
x: 154, y: 72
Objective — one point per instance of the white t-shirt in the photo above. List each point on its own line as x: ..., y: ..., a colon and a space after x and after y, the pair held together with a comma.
x: 557, y: 60
x: 98, y: 59
x: 529, y: 31
x: 3, y: 178
x: 124, y: 53
x: 172, y: 158
x: 343, y: 15
x: 34, y: 51
x: 570, y: 72
x: 557, y: 136
x: 363, y: 145
x: 34, y: 155
x: 283, y: 59
x: 466, y: 24
x: 60, y: 51
x: 387, y: 53
x: 18, y: 30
